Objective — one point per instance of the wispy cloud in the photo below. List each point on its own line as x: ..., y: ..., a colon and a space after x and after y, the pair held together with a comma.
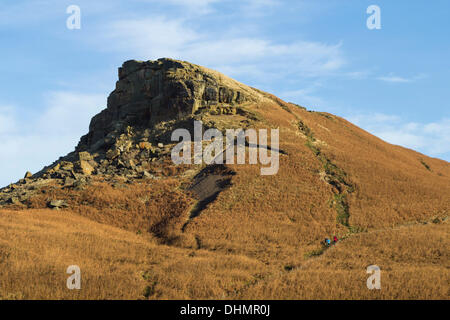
x: 32, y: 144
x: 146, y: 38
x: 397, y: 79
x: 158, y: 36
x: 191, y: 7
x: 247, y: 7
x: 357, y: 75
x: 432, y: 138
x: 307, y: 96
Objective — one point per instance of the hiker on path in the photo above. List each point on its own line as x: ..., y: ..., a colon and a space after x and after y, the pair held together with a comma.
x: 335, y: 239
x: 327, y: 241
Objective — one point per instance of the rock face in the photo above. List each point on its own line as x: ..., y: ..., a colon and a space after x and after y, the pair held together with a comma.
x: 28, y: 174
x: 165, y: 89
x: 129, y: 138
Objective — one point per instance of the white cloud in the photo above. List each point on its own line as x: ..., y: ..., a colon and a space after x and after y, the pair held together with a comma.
x: 199, y: 6
x: 357, y: 74
x: 396, y: 79
x: 156, y: 37
x: 69, y: 113
x: 306, y: 96
x: 31, y: 143
x: 431, y: 138
x: 147, y: 38
x: 190, y: 3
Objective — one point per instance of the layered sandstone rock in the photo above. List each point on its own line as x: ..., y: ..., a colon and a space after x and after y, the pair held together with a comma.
x: 153, y: 91
x: 126, y: 139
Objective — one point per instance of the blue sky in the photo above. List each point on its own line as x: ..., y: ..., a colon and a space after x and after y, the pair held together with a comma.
x: 393, y: 82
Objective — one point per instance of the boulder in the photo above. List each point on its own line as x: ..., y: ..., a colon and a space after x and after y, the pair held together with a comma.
x: 57, y: 204
x: 14, y: 200
x: 147, y: 175
x: 66, y: 165
x: 80, y: 183
x: 84, y: 156
x: 28, y: 174
x: 129, y: 163
x: 143, y: 145
x: 69, y: 181
x: 55, y: 168
x: 84, y: 167
x: 112, y: 154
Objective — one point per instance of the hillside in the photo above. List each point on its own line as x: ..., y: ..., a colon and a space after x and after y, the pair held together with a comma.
x: 140, y: 226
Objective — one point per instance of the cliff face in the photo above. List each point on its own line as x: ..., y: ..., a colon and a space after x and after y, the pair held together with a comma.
x: 131, y: 137
x: 153, y: 91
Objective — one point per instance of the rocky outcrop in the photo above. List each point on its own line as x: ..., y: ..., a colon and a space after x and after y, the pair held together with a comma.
x: 126, y: 139
x: 165, y: 89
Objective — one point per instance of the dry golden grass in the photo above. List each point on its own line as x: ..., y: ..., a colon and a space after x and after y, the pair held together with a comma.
x: 392, y: 184
x: 246, y: 241
x: 414, y: 262
x: 157, y: 206
x: 275, y: 219
x: 37, y: 246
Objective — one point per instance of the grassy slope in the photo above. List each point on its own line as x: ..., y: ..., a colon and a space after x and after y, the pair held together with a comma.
x: 37, y: 246
x: 392, y: 184
x: 252, y: 242
x: 414, y: 262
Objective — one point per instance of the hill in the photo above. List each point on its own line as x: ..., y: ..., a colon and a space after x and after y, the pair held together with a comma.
x: 225, y: 230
